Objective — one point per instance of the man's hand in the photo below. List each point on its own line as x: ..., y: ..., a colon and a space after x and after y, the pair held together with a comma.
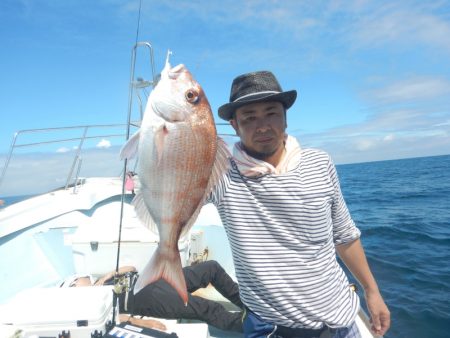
x: 109, y: 275
x: 149, y: 323
x: 352, y: 254
x: 380, y: 317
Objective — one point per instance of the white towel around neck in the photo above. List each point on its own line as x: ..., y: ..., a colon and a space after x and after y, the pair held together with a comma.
x: 251, y: 167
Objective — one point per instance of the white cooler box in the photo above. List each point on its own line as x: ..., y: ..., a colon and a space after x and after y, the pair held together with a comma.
x: 47, y: 312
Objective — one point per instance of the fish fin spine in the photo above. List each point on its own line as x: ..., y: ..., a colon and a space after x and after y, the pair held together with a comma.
x: 221, y: 165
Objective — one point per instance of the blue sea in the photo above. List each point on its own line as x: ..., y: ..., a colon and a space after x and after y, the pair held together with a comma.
x: 403, y: 210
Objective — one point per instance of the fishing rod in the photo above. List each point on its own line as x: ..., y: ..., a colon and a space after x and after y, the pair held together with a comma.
x: 117, y: 287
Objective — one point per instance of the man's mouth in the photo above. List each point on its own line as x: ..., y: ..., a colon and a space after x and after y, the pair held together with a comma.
x: 263, y: 139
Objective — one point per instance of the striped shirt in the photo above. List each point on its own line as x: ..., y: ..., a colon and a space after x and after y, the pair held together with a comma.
x: 282, y: 231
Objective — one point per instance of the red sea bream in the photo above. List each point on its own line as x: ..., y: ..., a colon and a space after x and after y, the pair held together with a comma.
x: 180, y: 158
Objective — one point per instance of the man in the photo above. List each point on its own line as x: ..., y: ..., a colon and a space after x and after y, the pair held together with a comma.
x: 160, y: 300
x: 286, y: 218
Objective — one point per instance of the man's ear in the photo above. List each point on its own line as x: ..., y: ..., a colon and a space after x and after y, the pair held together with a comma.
x: 235, y: 126
x: 285, y: 119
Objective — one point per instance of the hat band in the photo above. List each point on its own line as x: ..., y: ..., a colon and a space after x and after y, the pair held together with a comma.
x: 259, y: 93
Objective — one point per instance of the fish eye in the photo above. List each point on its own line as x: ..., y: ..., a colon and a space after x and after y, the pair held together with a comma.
x: 191, y: 96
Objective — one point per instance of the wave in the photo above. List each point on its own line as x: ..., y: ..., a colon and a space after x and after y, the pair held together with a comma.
x: 406, y: 233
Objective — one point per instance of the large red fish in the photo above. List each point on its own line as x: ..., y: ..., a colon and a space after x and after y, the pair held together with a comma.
x: 180, y: 159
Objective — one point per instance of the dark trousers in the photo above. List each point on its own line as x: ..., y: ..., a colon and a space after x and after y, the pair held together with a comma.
x: 160, y: 300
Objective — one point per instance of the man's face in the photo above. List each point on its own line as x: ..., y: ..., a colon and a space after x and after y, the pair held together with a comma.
x: 261, y: 127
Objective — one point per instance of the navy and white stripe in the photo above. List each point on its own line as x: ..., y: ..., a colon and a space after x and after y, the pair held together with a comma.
x: 283, y: 230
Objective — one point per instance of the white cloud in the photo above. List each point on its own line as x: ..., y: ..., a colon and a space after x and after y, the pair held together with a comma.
x: 364, y: 144
x: 351, y: 149
x: 389, y: 138
x: 397, y: 25
x: 360, y: 23
x: 443, y: 124
x: 104, y: 144
x: 62, y: 150
x: 411, y: 89
x: 406, y: 118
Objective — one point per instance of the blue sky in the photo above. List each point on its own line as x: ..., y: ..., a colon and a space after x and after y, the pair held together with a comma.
x: 373, y: 77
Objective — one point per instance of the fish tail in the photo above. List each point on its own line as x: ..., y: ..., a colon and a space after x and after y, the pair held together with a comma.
x: 165, y: 265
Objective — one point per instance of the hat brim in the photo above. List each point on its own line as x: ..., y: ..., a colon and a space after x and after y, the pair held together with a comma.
x: 286, y: 98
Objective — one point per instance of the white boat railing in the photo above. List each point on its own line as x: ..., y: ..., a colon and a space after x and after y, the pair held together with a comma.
x: 48, y: 136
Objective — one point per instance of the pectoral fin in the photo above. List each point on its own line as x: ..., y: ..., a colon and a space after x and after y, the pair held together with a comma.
x: 130, y: 148
x: 142, y: 212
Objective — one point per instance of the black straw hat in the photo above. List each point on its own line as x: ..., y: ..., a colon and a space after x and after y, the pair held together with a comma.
x: 255, y: 87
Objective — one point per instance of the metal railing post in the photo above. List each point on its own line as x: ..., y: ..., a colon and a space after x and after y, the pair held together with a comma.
x: 77, y: 155
x: 8, y: 158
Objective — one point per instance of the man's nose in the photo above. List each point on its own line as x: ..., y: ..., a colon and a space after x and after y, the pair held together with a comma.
x: 262, y: 126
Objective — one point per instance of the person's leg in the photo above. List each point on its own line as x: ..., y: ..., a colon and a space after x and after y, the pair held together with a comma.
x: 214, y: 314
x: 201, y: 274
x: 159, y: 299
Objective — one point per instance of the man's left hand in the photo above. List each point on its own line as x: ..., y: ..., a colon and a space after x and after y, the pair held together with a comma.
x: 380, y: 316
